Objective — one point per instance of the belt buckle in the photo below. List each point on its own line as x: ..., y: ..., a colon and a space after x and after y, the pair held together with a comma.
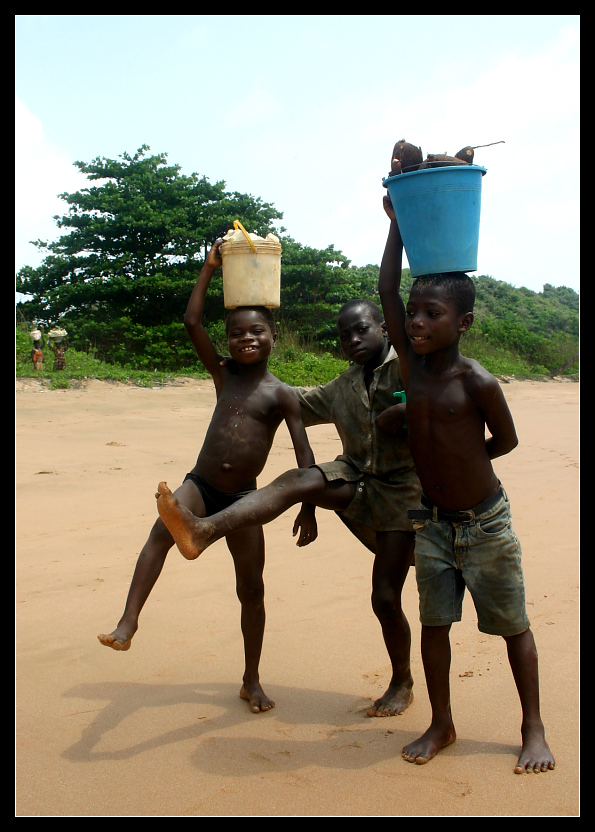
x: 465, y: 517
x: 457, y: 516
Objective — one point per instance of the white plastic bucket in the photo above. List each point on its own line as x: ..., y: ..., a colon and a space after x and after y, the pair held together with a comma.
x: 251, y: 271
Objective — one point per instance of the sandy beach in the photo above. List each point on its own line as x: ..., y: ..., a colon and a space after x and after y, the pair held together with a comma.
x: 160, y: 730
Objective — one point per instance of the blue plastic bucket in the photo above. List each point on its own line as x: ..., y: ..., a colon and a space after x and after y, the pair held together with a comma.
x: 438, y: 214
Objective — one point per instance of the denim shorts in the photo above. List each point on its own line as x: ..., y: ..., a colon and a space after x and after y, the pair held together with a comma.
x: 484, y: 555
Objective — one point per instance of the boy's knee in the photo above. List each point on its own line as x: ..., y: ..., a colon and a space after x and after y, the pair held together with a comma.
x: 293, y: 476
x: 298, y: 483
x: 385, y: 603
x: 251, y: 592
x: 160, y: 537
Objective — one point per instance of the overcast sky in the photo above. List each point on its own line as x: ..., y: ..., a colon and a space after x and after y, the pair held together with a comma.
x: 303, y: 111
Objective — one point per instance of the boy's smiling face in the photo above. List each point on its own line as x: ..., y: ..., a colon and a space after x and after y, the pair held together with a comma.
x: 433, y: 321
x: 363, y: 340
x: 249, y: 337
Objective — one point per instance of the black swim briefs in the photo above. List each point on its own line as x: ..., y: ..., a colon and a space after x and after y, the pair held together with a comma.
x: 214, y: 499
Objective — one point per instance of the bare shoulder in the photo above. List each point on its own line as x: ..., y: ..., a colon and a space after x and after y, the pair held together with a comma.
x: 481, y: 385
x: 285, y: 396
x: 476, y: 373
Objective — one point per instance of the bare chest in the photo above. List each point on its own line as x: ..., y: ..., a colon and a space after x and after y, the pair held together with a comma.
x: 432, y: 402
x: 240, y: 409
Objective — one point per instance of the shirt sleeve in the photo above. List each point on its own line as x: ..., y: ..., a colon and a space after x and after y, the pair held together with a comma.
x: 316, y: 404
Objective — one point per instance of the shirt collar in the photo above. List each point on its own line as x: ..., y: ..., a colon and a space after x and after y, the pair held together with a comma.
x: 356, y: 370
x: 392, y: 353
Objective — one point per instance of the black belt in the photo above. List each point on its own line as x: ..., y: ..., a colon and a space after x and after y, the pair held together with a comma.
x: 466, y: 516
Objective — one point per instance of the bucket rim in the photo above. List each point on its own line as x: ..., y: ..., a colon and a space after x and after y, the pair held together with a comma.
x: 387, y: 179
x: 262, y: 246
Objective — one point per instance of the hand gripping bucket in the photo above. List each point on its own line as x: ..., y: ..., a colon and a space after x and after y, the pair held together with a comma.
x: 438, y: 210
x: 251, y: 271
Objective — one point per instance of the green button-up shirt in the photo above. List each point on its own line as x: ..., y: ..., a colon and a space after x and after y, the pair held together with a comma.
x: 345, y: 403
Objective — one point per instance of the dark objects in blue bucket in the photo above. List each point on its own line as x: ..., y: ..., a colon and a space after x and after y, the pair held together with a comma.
x: 438, y: 211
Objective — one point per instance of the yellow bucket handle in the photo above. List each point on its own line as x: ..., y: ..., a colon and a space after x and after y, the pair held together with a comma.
x: 237, y: 224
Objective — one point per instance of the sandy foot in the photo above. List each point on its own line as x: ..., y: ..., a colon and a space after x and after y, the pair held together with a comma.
x: 257, y: 698
x: 185, y: 528
x: 422, y: 750
x: 535, y: 755
x: 392, y: 703
x: 120, y: 639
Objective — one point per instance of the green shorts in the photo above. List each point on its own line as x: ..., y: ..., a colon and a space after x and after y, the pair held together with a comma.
x: 380, y: 504
x: 482, y: 554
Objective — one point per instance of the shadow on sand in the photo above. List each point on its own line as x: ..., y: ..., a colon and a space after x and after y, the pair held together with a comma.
x: 307, y: 728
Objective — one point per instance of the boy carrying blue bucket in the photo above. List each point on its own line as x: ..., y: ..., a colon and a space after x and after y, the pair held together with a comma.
x: 464, y: 536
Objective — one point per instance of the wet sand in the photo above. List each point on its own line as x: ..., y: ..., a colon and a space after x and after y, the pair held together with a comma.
x: 160, y: 730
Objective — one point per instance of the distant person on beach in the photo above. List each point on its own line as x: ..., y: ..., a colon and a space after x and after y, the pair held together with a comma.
x: 464, y: 536
x: 58, y: 346
x: 37, y: 351
x: 251, y: 404
x: 371, y: 485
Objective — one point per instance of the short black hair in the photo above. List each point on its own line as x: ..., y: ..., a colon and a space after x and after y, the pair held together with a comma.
x: 267, y: 315
x: 372, y: 308
x: 459, y: 286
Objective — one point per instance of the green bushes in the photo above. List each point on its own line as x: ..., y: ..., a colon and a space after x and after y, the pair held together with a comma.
x: 288, y: 362
x: 535, y: 352
x: 305, y: 369
x: 82, y: 365
x: 515, y: 332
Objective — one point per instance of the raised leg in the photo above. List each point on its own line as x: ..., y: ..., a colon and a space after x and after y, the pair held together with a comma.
x: 193, y: 534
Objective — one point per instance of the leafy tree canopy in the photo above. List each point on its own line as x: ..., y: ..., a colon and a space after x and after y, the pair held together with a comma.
x: 134, y: 245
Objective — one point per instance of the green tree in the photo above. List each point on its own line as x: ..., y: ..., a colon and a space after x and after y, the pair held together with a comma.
x: 135, y: 242
x: 311, y: 290
x: 315, y: 283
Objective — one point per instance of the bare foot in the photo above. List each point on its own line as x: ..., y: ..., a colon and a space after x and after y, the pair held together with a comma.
x: 535, y: 755
x: 422, y: 750
x: 121, y: 638
x: 393, y: 702
x: 184, y: 527
x: 257, y: 698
